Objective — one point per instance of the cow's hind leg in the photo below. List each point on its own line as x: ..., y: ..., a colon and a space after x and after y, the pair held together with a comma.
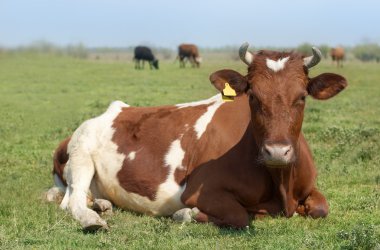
x: 315, y: 205
x: 79, y: 175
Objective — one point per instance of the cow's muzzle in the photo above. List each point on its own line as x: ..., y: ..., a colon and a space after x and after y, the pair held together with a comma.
x: 278, y: 155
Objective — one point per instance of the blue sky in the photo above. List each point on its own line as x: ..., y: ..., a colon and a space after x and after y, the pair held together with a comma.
x: 167, y: 23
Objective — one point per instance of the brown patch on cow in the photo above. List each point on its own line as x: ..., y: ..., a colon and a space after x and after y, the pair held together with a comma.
x: 60, y: 159
x: 133, y: 132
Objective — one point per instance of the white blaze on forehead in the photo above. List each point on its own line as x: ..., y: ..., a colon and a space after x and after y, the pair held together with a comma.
x: 277, y: 65
x: 203, y: 121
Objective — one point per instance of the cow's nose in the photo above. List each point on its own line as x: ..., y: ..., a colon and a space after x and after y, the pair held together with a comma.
x: 278, y: 154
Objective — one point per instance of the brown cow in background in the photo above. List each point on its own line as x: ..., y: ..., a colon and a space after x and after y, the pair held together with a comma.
x: 190, y: 52
x: 337, y: 54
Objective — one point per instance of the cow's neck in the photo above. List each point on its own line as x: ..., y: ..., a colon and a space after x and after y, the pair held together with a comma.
x: 283, y: 179
x: 226, y: 129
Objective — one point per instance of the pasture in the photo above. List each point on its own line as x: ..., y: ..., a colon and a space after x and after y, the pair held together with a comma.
x: 43, y: 99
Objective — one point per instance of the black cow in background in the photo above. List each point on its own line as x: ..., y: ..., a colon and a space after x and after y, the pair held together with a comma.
x: 143, y: 53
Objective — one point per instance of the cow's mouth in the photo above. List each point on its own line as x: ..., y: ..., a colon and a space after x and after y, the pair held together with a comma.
x: 277, y: 164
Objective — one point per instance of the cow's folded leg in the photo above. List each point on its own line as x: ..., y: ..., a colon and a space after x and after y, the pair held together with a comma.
x: 315, y: 205
x: 223, y: 211
x: 238, y: 221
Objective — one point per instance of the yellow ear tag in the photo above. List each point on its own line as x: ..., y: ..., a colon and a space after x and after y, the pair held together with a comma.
x: 227, y: 98
x: 228, y: 93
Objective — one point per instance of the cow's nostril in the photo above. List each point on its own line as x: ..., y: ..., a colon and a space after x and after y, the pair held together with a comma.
x: 267, y: 150
x: 288, y: 150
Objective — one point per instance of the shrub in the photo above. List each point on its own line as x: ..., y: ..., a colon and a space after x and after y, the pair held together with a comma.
x: 367, y: 52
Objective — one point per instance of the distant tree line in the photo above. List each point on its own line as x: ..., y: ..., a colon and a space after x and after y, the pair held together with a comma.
x: 44, y: 47
x: 367, y: 52
x: 363, y: 52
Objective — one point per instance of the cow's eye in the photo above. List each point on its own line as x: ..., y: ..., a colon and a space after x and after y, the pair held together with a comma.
x: 300, y: 100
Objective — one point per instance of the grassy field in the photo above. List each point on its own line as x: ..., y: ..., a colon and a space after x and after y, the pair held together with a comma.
x: 44, y: 98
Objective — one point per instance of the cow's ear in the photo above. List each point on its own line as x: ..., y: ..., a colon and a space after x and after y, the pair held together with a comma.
x: 238, y: 82
x: 325, y: 86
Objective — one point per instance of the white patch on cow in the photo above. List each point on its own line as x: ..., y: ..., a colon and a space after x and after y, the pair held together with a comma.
x: 203, y: 121
x: 175, y: 155
x: 198, y: 59
x: 95, y: 157
x: 170, y: 191
x: 132, y: 155
x: 215, y: 98
x: 276, y: 65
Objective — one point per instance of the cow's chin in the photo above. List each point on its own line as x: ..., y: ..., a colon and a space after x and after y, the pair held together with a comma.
x: 277, y: 164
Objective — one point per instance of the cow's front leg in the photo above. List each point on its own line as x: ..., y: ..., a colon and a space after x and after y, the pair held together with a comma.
x: 269, y: 208
x: 222, y: 209
x: 315, y: 205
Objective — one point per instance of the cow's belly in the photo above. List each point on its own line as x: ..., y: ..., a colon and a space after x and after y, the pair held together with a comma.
x: 166, y: 201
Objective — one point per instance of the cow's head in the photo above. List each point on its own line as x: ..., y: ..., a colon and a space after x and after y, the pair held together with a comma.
x: 198, y: 61
x: 155, y: 63
x: 277, y: 85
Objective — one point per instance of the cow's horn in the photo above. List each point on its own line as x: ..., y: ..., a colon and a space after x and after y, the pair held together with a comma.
x: 313, y: 60
x: 244, y: 54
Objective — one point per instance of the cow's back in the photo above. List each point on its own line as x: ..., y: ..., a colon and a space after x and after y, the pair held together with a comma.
x: 143, y: 53
x: 188, y: 50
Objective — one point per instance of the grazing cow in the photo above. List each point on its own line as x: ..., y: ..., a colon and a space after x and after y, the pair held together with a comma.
x: 190, y: 52
x: 337, y: 54
x: 211, y: 161
x: 143, y: 53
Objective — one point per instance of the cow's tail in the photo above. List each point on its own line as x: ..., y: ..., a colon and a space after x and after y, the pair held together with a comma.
x: 60, y: 158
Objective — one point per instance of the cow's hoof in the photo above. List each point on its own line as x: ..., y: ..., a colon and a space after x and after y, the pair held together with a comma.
x: 185, y: 214
x: 102, y: 206
x: 54, y: 194
x: 100, y: 225
x: 318, y: 212
x: 95, y: 228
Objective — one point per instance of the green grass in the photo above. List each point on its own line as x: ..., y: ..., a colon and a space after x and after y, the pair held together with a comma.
x: 44, y: 98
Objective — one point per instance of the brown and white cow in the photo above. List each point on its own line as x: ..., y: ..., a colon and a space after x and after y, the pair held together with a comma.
x: 190, y: 52
x: 212, y: 161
